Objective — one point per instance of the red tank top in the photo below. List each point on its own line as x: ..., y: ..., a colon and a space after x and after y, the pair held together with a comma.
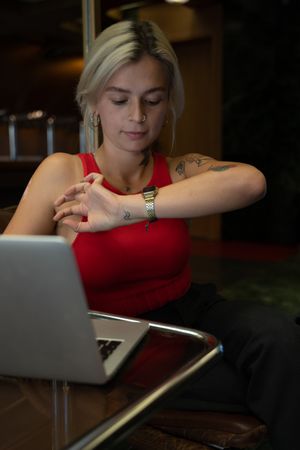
x: 129, y: 270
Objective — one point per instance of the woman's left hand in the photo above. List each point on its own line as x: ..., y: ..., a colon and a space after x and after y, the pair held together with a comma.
x: 100, y: 206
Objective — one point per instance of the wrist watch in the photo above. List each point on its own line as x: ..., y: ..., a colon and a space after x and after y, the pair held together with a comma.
x: 149, y: 194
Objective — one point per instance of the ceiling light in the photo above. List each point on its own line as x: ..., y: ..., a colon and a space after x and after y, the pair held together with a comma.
x: 177, y: 1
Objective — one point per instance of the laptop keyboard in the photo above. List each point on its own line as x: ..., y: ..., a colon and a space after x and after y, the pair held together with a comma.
x: 107, y: 347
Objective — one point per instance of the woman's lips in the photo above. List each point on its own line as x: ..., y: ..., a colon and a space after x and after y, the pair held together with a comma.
x: 135, y: 135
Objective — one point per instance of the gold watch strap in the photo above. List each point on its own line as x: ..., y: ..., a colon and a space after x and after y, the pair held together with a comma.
x: 149, y: 194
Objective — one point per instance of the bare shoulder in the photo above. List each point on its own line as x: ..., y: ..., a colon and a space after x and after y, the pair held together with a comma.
x: 52, y: 177
x: 188, y: 165
x: 60, y: 168
x: 36, y: 207
x: 56, y: 173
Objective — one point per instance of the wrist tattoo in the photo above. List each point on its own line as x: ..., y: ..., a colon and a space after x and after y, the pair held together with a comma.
x: 127, y: 215
x: 222, y: 168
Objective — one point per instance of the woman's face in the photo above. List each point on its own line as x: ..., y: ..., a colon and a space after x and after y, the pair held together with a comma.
x: 134, y: 104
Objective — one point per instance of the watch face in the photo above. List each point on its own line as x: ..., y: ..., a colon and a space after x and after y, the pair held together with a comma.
x: 149, y: 189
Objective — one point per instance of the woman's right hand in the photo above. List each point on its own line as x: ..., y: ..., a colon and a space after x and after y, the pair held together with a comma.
x: 98, y: 205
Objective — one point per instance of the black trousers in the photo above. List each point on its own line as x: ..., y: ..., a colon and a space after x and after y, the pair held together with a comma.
x: 260, y: 369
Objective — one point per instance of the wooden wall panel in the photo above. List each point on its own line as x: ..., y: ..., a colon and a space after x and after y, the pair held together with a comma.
x: 197, y: 131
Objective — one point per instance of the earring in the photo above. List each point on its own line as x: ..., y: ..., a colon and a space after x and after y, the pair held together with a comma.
x: 94, y: 120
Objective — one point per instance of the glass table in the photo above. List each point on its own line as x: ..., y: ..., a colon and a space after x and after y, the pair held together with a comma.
x: 42, y: 415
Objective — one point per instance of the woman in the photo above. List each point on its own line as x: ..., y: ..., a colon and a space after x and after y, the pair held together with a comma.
x: 107, y: 204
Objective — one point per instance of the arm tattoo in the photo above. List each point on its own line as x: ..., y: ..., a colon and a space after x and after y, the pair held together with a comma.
x: 127, y: 215
x: 199, y: 161
x: 221, y: 168
x: 180, y: 168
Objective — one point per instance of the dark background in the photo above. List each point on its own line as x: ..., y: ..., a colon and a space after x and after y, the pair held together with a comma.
x: 261, y: 113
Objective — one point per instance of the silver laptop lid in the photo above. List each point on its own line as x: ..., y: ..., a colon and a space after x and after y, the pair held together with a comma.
x: 45, y: 331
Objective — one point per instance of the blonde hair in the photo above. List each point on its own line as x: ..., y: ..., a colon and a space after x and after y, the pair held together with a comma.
x: 117, y: 45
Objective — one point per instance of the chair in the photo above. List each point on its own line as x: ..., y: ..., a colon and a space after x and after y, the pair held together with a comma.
x: 188, y: 430
x: 5, y: 216
x: 199, y: 430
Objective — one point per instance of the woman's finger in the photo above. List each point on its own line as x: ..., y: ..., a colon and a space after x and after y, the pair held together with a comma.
x: 73, y: 193
x: 92, y: 177
x: 78, y: 227
x: 79, y: 188
x: 60, y: 200
x: 82, y: 227
x: 74, y: 210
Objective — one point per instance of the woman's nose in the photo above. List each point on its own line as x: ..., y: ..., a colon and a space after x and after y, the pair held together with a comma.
x: 136, y: 113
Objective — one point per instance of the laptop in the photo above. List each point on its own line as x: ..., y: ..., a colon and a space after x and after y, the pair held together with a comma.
x: 45, y: 329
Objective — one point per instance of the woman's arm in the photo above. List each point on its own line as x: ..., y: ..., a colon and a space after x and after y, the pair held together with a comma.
x: 201, y: 186
x: 35, y: 211
x: 204, y: 186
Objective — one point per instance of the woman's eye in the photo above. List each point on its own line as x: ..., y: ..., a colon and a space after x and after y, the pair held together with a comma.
x: 119, y: 101
x: 153, y: 102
